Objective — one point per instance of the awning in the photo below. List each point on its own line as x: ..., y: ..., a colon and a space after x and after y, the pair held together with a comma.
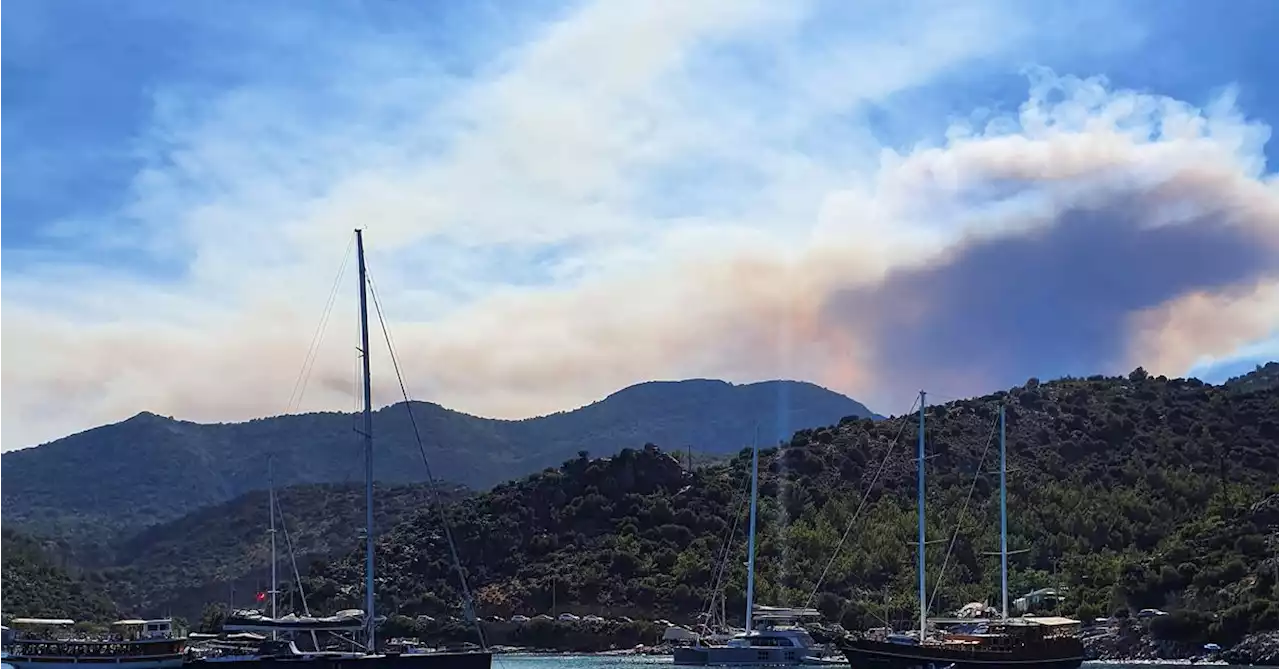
x: 253, y: 621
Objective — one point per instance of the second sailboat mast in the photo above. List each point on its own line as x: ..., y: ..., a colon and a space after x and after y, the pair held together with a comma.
x: 368, y: 448
x: 751, y: 536
x: 1004, y: 526
x: 920, y: 517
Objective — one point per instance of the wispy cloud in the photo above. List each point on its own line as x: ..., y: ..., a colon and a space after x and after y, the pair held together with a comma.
x: 615, y: 192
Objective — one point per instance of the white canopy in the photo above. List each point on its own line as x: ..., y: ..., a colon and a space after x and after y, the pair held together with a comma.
x: 254, y: 621
x: 678, y: 634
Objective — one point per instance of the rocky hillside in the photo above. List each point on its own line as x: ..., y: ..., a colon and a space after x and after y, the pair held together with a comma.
x: 1126, y: 492
x: 93, y: 487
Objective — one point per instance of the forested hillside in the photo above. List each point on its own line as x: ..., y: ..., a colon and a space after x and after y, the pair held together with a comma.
x: 215, y: 553
x: 37, y: 583
x: 1126, y: 492
x: 1261, y: 378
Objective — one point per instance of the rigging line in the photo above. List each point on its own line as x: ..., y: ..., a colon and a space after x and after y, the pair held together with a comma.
x: 722, y: 565
x: 468, y: 603
x: 297, y: 578
x: 902, y: 426
x: 313, y: 351
x: 722, y: 569
x: 942, y: 572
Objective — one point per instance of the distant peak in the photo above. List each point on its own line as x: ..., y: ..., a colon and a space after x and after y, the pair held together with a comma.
x: 145, y: 417
x: 678, y: 382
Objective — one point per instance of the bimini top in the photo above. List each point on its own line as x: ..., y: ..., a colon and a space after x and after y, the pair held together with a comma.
x: 254, y: 621
x: 782, y: 613
x: 1049, y: 621
x: 1024, y: 621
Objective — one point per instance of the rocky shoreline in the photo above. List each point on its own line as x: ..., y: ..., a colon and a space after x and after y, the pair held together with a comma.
x: 1132, y: 643
x: 1256, y: 649
x: 1128, y: 641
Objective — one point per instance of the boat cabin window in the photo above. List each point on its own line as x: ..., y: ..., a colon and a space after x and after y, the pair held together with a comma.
x: 770, y: 641
x: 156, y: 629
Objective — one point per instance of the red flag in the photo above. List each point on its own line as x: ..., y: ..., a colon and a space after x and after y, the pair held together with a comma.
x: 262, y: 596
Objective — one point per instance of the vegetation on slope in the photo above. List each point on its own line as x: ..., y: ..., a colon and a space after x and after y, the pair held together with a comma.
x: 224, y: 552
x: 91, y: 488
x: 1126, y: 492
x: 38, y: 584
x: 1261, y: 378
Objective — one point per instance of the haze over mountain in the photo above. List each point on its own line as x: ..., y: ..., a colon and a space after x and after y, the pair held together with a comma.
x: 562, y: 199
x: 150, y: 469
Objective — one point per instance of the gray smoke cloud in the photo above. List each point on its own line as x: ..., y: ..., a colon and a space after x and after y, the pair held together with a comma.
x: 1056, y: 300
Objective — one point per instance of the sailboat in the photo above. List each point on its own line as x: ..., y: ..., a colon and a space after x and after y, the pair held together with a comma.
x: 275, y: 652
x: 773, y: 642
x: 1000, y: 643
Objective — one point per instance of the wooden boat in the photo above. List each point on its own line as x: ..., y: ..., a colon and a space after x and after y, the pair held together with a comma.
x: 1049, y: 642
x: 995, y: 643
x: 44, y: 643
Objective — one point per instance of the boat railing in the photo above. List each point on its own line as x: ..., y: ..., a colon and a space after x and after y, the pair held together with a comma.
x: 106, y: 648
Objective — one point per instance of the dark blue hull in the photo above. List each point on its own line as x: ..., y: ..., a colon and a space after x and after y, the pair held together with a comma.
x: 866, y: 654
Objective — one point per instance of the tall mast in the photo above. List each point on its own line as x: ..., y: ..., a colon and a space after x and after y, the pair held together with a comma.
x: 1004, y: 527
x: 368, y: 449
x: 920, y: 514
x: 271, y: 503
x: 751, y: 538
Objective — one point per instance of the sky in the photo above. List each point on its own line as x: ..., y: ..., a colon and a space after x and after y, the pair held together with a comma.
x: 563, y: 199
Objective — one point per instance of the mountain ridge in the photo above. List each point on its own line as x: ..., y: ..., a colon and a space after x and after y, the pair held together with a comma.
x: 146, y: 414
x: 149, y: 469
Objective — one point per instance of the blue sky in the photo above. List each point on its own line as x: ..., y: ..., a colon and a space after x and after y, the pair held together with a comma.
x: 565, y: 198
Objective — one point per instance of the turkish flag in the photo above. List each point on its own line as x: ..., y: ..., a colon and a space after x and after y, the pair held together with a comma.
x: 262, y: 596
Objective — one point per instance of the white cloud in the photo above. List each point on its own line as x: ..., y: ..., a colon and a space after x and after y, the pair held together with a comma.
x: 564, y: 147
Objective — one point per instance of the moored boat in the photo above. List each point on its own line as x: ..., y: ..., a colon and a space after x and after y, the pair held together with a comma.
x: 776, y: 641
x: 970, y: 643
x: 1048, y: 642
x: 355, y: 629
x: 45, y: 643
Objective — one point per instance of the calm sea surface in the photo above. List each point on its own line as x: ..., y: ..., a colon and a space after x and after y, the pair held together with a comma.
x: 606, y: 662
x: 597, y: 662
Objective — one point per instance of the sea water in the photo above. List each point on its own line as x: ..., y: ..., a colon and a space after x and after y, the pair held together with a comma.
x: 647, y: 662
